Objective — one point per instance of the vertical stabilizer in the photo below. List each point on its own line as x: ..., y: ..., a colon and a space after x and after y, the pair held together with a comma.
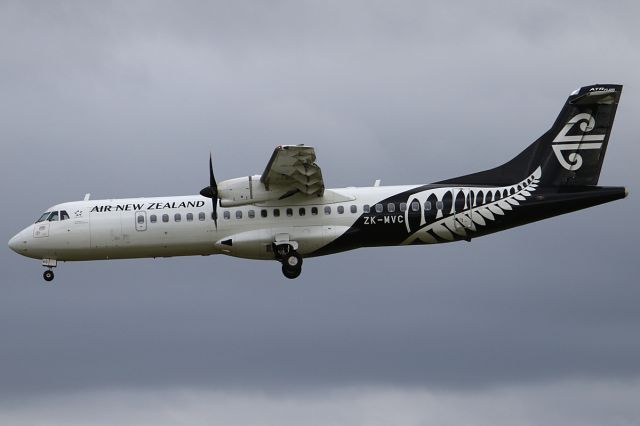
x: 571, y: 152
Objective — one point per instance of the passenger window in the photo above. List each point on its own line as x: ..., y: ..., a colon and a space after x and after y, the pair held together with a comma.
x: 427, y: 205
x: 189, y: 217
x: 439, y: 205
x: 201, y: 216
x: 289, y: 212
x: 302, y: 211
x: 53, y: 217
x: 327, y: 209
x: 379, y: 208
x: 226, y: 214
x: 44, y: 216
x: 354, y: 208
x: 251, y: 214
x: 177, y: 217
x: 63, y: 215
x: 415, y: 206
x: 238, y: 214
x: 314, y: 211
x: 366, y: 208
x: 340, y: 209
x: 153, y: 218
x: 165, y: 218
x: 263, y: 212
x: 391, y: 207
x: 276, y: 212
x: 140, y: 219
x: 403, y: 207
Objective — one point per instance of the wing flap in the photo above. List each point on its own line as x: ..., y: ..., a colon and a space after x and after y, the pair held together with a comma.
x: 294, y: 167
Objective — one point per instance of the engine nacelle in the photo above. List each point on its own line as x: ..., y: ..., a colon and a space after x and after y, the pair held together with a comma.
x: 246, y: 190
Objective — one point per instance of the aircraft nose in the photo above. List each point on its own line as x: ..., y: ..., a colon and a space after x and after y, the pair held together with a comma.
x: 22, y: 243
x: 13, y: 243
x: 19, y: 242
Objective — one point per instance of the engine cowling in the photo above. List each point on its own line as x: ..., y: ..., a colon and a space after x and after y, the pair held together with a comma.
x: 246, y: 190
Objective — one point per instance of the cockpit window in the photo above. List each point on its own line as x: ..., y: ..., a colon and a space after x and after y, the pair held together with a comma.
x: 44, y: 217
x: 53, y: 217
x: 64, y: 215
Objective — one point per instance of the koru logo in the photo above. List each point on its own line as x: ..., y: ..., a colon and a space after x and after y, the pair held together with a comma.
x: 576, y: 143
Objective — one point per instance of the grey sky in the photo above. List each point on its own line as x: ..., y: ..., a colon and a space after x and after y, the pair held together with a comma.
x: 127, y: 99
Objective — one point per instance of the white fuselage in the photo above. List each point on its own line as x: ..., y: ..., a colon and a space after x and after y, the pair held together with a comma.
x: 183, y: 226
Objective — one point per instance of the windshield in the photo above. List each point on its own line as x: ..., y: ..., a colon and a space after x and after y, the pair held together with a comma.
x: 43, y: 217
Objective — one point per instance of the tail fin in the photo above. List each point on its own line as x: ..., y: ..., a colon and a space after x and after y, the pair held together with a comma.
x: 571, y: 152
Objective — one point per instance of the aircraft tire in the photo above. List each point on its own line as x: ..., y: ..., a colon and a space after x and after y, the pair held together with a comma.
x: 48, y: 275
x: 290, y: 272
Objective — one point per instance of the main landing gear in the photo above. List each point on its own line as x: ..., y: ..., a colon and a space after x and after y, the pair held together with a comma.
x: 290, y: 259
x: 48, y: 274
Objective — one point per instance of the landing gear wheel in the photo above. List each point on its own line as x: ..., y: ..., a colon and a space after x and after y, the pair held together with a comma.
x: 290, y: 272
x: 292, y: 265
x: 292, y: 260
x: 48, y: 275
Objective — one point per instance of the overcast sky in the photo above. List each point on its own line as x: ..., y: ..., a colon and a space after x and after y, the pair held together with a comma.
x: 536, y: 325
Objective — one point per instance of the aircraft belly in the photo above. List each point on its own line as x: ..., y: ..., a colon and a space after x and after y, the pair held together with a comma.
x: 312, y: 238
x: 133, y: 252
x: 258, y: 243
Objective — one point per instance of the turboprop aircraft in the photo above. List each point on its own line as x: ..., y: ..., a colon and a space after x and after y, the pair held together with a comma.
x: 286, y: 213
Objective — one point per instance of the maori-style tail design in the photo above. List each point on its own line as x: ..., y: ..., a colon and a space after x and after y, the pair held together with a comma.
x: 482, y: 206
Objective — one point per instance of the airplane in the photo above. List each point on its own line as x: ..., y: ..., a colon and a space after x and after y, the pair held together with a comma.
x: 286, y: 213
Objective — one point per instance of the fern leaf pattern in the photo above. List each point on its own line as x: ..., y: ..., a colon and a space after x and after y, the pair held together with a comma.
x: 481, y: 207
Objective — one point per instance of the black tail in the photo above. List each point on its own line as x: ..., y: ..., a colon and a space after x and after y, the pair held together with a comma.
x: 571, y: 152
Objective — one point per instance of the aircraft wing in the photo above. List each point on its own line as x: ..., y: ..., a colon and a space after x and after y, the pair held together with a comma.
x: 293, y: 168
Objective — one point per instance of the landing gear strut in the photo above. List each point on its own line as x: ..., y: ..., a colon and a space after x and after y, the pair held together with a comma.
x: 290, y: 259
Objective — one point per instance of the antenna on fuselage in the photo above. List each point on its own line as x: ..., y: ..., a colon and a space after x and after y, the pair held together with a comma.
x: 86, y: 196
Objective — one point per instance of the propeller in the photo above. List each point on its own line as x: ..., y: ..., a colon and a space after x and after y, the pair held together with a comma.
x: 211, y: 191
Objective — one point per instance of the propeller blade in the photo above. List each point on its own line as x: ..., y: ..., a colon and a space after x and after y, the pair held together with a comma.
x: 215, y: 211
x: 211, y: 191
x: 212, y: 179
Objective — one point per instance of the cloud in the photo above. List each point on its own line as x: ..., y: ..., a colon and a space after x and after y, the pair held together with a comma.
x: 127, y: 99
x: 561, y: 403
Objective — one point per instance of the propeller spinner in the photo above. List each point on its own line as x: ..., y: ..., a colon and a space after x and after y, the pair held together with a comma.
x: 211, y: 191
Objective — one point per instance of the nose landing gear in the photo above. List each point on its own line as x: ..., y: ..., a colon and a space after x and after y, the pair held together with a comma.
x: 290, y: 259
x: 48, y: 274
